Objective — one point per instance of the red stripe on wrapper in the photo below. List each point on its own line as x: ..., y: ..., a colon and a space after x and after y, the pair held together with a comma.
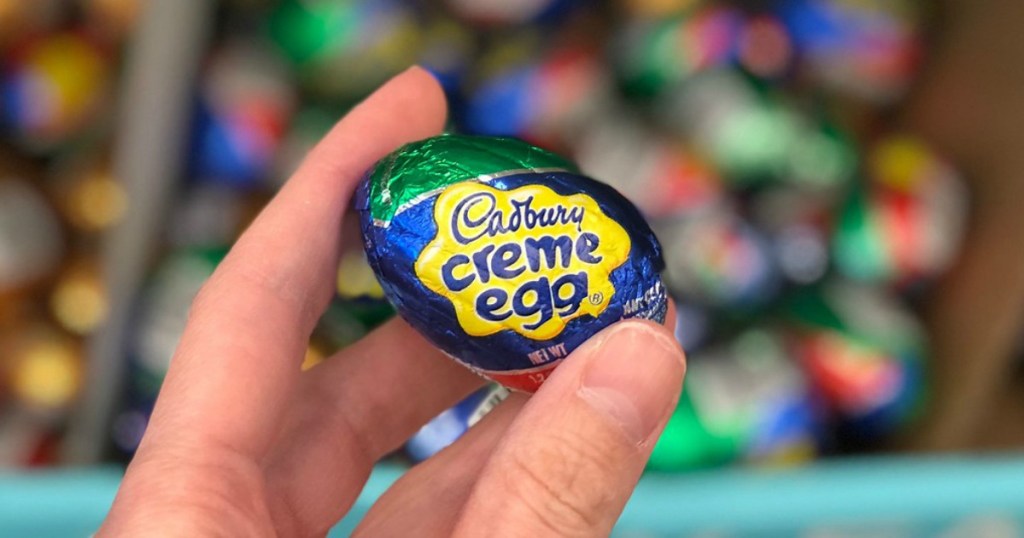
x: 523, y: 380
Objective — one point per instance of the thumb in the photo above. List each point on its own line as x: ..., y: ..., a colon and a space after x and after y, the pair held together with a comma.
x: 573, y: 455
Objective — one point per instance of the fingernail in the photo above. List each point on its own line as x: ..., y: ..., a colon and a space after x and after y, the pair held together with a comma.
x: 634, y: 374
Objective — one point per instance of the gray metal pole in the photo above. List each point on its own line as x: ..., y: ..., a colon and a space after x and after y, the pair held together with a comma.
x: 154, y: 110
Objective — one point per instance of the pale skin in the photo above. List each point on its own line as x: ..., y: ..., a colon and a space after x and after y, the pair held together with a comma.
x: 242, y: 443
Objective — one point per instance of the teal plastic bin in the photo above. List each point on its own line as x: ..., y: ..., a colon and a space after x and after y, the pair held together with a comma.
x: 891, y: 497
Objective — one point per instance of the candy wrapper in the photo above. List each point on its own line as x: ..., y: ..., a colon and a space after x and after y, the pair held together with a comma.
x: 453, y: 423
x: 502, y: 255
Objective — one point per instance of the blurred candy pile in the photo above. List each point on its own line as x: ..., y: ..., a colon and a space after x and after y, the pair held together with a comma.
x: 57, y: 198
x: 760, y: 138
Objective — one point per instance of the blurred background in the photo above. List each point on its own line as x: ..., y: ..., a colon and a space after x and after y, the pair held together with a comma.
x: 835, y: 182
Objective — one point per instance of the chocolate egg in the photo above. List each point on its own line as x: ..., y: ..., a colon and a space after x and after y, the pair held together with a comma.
x: 503, y: 255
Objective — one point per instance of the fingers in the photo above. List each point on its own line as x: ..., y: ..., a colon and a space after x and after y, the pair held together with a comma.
x: 350, y: 411
x: 572, y: 457
x: 430, y: 496
x: 238, y: 360
x: 362, y: 404
x: 416, y: 501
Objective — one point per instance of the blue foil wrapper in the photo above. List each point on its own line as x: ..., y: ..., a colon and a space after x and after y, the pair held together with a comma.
x: 509, y: 272
x: 453, y: 423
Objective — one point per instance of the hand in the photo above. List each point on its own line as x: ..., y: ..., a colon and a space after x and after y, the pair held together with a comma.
x: 241, y: 443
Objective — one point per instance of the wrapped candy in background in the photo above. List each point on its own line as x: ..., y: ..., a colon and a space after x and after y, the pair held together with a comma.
x: 746, y: 400
x: 447, y: 427
x: 903, y: 224
x: 342, y: 50
x: 864, y: 354
x: 53, y: 87
x: 245, y: 103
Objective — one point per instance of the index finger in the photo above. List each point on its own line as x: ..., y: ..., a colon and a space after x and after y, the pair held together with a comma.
x: 238, y: 360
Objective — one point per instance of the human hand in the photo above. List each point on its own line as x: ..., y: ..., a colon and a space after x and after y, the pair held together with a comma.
x: 242, y: 443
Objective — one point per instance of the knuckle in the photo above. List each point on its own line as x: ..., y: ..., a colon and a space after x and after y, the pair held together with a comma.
x: 563, y: 482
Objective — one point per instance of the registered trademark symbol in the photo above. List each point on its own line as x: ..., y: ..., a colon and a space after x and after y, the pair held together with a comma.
x: 596, y: 298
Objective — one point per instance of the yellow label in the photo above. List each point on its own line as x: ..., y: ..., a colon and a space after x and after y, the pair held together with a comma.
x: 528, y: 259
